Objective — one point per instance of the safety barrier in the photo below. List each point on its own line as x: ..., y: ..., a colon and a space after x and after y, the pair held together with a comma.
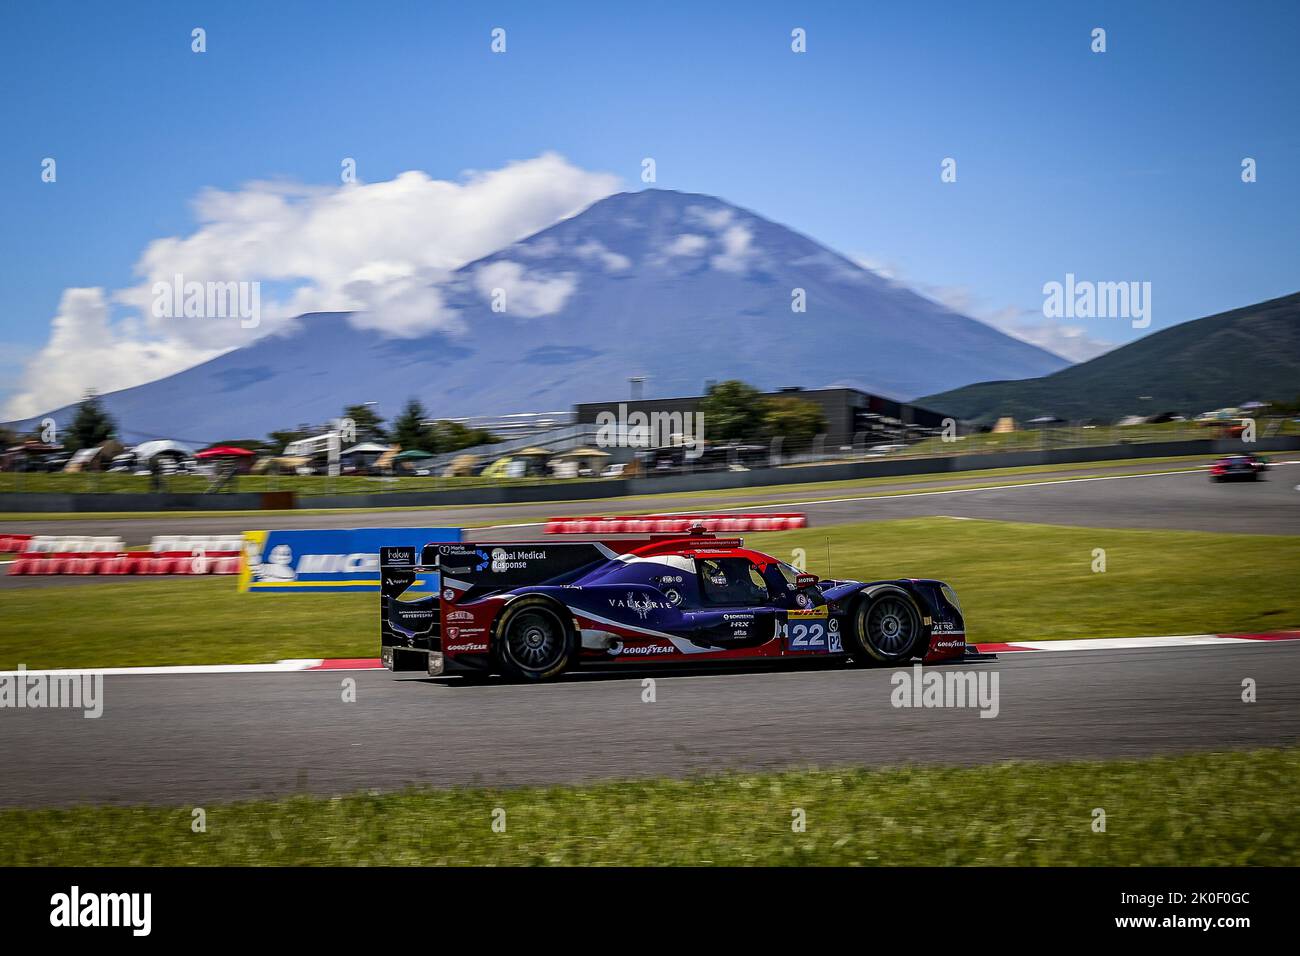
x: 167, y: 554
x: 126, y: 562
x: 196, y: 542
x: 675, y: 524
x: 10, y: 543
x: 72, y: 544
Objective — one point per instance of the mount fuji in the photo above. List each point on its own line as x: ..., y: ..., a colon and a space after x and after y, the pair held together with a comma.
x: 680, y: 288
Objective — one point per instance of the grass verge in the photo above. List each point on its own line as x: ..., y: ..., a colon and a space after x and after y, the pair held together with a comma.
x: 1015, y: 581
x: 1230, y: 809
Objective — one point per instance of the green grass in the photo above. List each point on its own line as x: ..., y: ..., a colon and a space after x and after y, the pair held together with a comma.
x: 198, y: 620
x: 1205, y: 810
x: 1015, y: 581
x: 1031, y: 439
x: 636, y: 504
x: 1027, y: 581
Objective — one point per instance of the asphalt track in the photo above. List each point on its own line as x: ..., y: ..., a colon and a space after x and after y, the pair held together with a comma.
x: 195, y: 739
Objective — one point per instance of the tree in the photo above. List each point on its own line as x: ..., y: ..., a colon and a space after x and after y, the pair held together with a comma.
x: 91, y: 425
x: 733, y: 411
x: 278, y: 439
x: 409, y: 429
x: 1282, y: 407
x: 369, y: 423
x: 453, y: 436
x: 796, y: 420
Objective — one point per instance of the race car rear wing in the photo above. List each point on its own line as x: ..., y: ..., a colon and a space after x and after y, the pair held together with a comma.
x: 411, y: 623
x: 470, y: 571
x: 408, y: 621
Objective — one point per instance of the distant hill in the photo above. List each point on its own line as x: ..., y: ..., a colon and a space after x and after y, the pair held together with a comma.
x: 681, y: 288
x: 1221, y: 360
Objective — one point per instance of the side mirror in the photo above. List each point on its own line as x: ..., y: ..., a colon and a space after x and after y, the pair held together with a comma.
x: 805, y: 581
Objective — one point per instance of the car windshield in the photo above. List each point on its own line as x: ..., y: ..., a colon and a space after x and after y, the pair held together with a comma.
x: 790, y: 574
x: 733, y: 581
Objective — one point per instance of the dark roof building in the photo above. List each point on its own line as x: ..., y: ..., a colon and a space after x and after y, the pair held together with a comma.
x: 853, y: 417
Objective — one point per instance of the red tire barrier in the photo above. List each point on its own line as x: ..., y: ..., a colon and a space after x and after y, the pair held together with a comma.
x: 15, y: 543
x: 126, y: 562
x: 676, y: 524
x: 27, y: 564
x: 114, y: 564
x: 80, y: 564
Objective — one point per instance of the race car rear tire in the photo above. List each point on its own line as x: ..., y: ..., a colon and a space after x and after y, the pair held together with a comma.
x: 535, y: 639
x: 886, y: 628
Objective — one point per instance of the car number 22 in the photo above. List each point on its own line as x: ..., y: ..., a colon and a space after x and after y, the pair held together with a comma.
x: 811, y: 636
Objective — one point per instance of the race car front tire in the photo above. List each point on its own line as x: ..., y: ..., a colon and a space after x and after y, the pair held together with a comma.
x: 885, y: 627
x: 535, y: 639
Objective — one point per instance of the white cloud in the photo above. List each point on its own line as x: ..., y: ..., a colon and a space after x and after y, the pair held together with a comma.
x: 686, y: 244
x: 716, y: 218
x: 381, y: 250
x: 837, y: 268
x: 595, y: 249
x: 879, y: 267
x: 528, y: 295
x: 735, y: 238
x: 85, y: 350
x: 737, y: 250
x: 1068, y: 341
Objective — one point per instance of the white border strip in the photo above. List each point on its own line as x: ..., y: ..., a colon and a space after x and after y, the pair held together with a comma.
x: 278, y: 667
x: 1010, y: 647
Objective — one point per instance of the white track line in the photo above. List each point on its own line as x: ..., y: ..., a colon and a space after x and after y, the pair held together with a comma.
x: 1133, y: 643
x: 278, y: 667
x: 314, y: 664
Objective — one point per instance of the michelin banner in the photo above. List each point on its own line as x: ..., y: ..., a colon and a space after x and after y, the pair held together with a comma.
x: 279, y: 562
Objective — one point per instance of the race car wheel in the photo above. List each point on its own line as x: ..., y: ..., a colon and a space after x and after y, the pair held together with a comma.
x: 887, y: 628
x: 535, y: 639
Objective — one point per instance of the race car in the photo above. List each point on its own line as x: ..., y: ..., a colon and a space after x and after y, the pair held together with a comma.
x: 532, y: 610
x: 1238, y: 468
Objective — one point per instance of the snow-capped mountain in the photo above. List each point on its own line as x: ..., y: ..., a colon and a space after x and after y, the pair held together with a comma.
x: 680, y: 288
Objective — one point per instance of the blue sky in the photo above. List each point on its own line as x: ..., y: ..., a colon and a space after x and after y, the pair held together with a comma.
x: 1115, y: 166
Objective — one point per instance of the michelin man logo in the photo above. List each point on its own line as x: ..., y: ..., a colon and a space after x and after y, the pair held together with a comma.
x: 500, y: 559
x: 279, y: 567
